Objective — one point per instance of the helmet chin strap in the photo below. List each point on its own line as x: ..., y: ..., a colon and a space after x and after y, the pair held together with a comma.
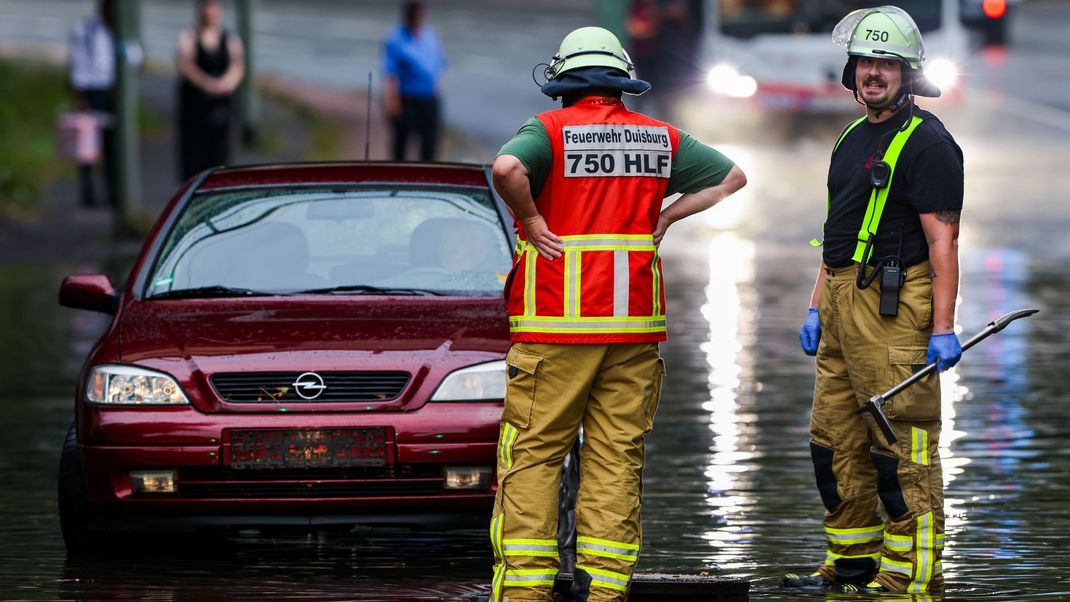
x: 904, y: 95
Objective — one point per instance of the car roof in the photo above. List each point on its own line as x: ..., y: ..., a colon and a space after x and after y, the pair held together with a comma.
x: 282, y: 174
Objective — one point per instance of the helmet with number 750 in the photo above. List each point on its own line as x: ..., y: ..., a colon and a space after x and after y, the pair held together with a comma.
x: 885, y: 32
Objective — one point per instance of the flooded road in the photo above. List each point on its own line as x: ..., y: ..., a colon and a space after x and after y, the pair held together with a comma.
x: 729, y: 484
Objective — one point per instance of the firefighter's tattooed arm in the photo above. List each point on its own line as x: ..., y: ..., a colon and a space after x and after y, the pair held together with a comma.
x: 949, y: 216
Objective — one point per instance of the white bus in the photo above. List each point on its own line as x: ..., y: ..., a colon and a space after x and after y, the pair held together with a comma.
x: 779, y: 55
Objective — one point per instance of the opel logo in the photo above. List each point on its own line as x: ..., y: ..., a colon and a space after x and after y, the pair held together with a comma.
x: 309, y: 385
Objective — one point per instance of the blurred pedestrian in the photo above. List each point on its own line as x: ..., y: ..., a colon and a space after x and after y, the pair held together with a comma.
x: 412, y: 64
x: 586, y: 306
x: 882, y: 307
x: 211, y: 65
x: 91, y: 55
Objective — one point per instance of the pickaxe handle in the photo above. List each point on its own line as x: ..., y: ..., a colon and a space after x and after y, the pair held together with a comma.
x: 874, y: 405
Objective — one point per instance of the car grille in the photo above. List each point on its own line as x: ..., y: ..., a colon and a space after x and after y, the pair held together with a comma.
x: 279, y: 387
x: 396, y: 480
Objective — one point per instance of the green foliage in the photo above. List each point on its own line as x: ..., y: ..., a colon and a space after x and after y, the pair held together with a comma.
x: 30, y: 99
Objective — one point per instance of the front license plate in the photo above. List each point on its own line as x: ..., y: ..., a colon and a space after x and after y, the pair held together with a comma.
x: 308, y: 448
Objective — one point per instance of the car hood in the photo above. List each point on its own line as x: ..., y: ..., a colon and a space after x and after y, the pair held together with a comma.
x: 205, y: 328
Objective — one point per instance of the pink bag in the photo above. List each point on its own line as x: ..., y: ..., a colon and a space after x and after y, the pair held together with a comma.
x: 78, y: 136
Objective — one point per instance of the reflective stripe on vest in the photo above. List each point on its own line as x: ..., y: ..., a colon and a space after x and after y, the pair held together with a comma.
x: 878, y: 198
x: 570, y: 320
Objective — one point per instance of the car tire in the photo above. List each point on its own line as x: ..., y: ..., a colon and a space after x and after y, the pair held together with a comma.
x: 73, y: 503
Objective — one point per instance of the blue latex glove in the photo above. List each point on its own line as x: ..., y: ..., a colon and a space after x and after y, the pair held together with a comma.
x: 810, y: 333
x: 944, y: 349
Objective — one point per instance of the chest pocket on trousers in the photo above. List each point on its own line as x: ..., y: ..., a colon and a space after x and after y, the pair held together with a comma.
x: 522, y: 374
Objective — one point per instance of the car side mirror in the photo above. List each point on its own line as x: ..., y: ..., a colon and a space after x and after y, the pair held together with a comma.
x: 90, y: 291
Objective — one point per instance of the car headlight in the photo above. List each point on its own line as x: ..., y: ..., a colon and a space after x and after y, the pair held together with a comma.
x: 943, y: 73
x: 727, y: 80
x: 475, y: 383
x: 111, y: 384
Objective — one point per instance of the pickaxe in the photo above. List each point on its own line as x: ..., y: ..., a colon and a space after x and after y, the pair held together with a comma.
x: 874, y: 404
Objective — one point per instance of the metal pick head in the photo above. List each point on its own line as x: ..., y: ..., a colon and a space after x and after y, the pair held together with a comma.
x: 873, y: 408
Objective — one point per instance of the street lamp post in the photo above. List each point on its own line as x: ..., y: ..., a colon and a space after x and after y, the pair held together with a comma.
x: 127, y: 61
x: 250, y: 100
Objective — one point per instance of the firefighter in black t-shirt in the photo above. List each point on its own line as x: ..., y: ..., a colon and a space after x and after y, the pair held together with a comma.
x: 884, y: 305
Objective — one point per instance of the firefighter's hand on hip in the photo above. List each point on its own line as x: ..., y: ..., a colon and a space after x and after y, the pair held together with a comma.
x: 539, y: 235
x: 659, y: 231
x: 944, y: 349
x: 810, y: 333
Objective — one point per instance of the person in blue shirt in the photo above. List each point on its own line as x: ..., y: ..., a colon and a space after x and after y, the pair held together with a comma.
x: 412, y: 63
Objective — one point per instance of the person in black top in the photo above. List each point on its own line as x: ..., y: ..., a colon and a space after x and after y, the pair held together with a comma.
x: 884, y: 306
x: 211, y: 65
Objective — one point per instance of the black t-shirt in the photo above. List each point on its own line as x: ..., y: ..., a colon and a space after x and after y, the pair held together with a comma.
x: 928, y: 177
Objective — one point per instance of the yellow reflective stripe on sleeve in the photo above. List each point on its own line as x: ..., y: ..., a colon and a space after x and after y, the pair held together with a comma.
x: 919, y: 446
x: 895, y: 566
x: 925, y: 556
x: 530, y: 257
x: 832, y: 557
x: 530, y: 547
x: 939, y: 541
x: 878, y: 198
x: 529, y: 577
x: 499, y: 567
x: 607, y: 579
x: 938, y: 568
x: 854, y: 535
x: 899, y: 543
x: 509, y: 435
x: 607, y: 549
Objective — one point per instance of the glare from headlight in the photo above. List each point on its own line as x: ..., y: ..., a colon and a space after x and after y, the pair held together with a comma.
x: 727, y: 80
x: 943, y: 73
x: 111, y: 384
x: 475, y: 383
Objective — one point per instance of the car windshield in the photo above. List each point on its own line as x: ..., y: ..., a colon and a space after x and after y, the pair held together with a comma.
x: 748, y: 18
x: 381, y: 239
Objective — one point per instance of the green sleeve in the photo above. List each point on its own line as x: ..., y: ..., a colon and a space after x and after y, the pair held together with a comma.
x: 532, y: 146
x: 696, y: 167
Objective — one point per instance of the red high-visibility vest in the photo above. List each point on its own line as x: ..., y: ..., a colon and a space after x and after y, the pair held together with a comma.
x: 603, y: 196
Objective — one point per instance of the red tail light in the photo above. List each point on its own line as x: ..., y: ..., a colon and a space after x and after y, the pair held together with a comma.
x: 995, y: 9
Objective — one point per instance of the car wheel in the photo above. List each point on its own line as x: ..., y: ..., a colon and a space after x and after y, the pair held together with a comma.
x: 73, y: 505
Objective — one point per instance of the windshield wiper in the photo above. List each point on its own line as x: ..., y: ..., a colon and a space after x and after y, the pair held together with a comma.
x: 365, y: 289
x: 215, y: 290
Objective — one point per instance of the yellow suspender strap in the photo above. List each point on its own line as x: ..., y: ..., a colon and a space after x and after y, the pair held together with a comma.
x: 828, y: 199
x: 879, y: 197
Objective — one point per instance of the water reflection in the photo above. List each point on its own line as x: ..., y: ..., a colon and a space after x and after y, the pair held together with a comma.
x: 729, y: 356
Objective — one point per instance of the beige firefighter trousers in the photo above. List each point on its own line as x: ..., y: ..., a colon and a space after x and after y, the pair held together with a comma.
x: 612, y: 390
x: 862, y: 353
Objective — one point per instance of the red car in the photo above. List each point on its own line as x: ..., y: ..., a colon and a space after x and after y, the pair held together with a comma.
x: 297, y: 344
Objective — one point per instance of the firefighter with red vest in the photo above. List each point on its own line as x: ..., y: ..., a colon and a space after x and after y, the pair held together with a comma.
x: 586, y: 305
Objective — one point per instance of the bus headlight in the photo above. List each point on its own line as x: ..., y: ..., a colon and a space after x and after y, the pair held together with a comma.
x: 728, y: 81
x: 943, y: 73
